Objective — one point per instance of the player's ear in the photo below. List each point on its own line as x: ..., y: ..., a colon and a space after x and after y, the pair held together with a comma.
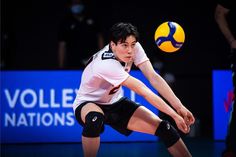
x: 112, y: 43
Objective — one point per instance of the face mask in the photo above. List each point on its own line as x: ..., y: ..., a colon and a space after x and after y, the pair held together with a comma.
x: 77, y: 9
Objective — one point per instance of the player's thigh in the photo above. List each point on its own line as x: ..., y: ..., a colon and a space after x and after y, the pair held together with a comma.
x: 144, y: 120
x: 89, y: 107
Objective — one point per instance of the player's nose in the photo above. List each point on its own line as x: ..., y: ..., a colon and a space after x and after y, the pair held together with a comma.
x: 130, y: 50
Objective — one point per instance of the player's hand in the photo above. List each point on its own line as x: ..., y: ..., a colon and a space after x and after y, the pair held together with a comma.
x: 186, y: 115
x: 180, y: 122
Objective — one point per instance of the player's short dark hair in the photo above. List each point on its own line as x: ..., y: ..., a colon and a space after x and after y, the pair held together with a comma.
x: 120, y: 31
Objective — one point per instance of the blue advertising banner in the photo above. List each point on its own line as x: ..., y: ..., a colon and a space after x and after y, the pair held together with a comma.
x: 222, y: 102
x: 36, y: 106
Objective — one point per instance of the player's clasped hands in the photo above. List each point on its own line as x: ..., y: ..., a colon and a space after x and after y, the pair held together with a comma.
x: 188, y: 119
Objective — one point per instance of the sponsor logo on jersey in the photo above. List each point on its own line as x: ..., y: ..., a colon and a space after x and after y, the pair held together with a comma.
x: 108, y: 55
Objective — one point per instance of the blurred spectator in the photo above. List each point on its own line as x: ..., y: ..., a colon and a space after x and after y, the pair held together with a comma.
x: 79, y: 35
x: 225, y: 17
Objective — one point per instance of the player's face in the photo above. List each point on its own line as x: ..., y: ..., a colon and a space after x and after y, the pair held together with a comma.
x: 124, y: 51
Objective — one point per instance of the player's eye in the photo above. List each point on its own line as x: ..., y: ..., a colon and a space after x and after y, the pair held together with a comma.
x: 133, y: 45
x: 124, y: 45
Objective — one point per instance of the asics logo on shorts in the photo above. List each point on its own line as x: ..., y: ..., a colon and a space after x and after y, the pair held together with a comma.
x: 94, y: 118
x: 168, y: 126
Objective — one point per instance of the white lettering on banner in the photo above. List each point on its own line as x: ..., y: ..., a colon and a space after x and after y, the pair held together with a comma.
x: 66, y: 97
x: 41, y: 100
x: 11, y: 101
x: 122, y: 91
x: 59, y: 119
x: 132, y: 95
x: 44, y: 119
x: 34, y: 98
x: 53, y: 101
x: 37, y: 107
x: 32, y: 119
x: 70, y: 118
x: 22, y: 121
x: 29, y: 98
x: 10, y: 120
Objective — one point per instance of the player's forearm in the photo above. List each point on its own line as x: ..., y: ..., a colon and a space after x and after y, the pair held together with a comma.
x: 164, y: 89
x: 157, y: 102
x: 140, y: 88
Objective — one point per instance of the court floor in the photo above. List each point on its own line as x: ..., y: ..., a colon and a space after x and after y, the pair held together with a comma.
x: 198, y: 148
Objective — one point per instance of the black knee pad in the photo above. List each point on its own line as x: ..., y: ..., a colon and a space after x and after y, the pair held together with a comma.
x: 93, y: 124
x: 167, y: 133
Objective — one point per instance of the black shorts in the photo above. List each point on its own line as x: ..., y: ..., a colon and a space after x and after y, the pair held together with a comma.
x: 117, y: 115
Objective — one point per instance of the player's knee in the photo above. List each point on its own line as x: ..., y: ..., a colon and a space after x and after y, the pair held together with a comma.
x: 167, y: 133
x: 93, y: 124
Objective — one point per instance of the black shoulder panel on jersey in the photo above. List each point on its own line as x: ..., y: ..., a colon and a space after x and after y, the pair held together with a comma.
x: 108, y: 55
x: 89, y: 61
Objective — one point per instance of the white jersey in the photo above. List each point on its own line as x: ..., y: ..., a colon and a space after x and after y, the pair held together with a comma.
x: 102, y: 77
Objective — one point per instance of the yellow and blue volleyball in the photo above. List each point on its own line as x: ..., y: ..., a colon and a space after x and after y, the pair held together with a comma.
x: 169, y: 36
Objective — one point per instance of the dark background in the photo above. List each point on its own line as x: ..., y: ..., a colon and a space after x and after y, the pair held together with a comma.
x: 29, y: 41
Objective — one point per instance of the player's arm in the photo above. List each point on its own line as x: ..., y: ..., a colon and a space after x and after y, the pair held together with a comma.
x: 140, y: 88
x: 164, y: 89
x: 220, y: 17
x: 160, y: 84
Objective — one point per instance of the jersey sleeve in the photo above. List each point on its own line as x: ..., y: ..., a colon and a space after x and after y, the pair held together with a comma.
x: 112, y: 71
x: 140, y: 55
